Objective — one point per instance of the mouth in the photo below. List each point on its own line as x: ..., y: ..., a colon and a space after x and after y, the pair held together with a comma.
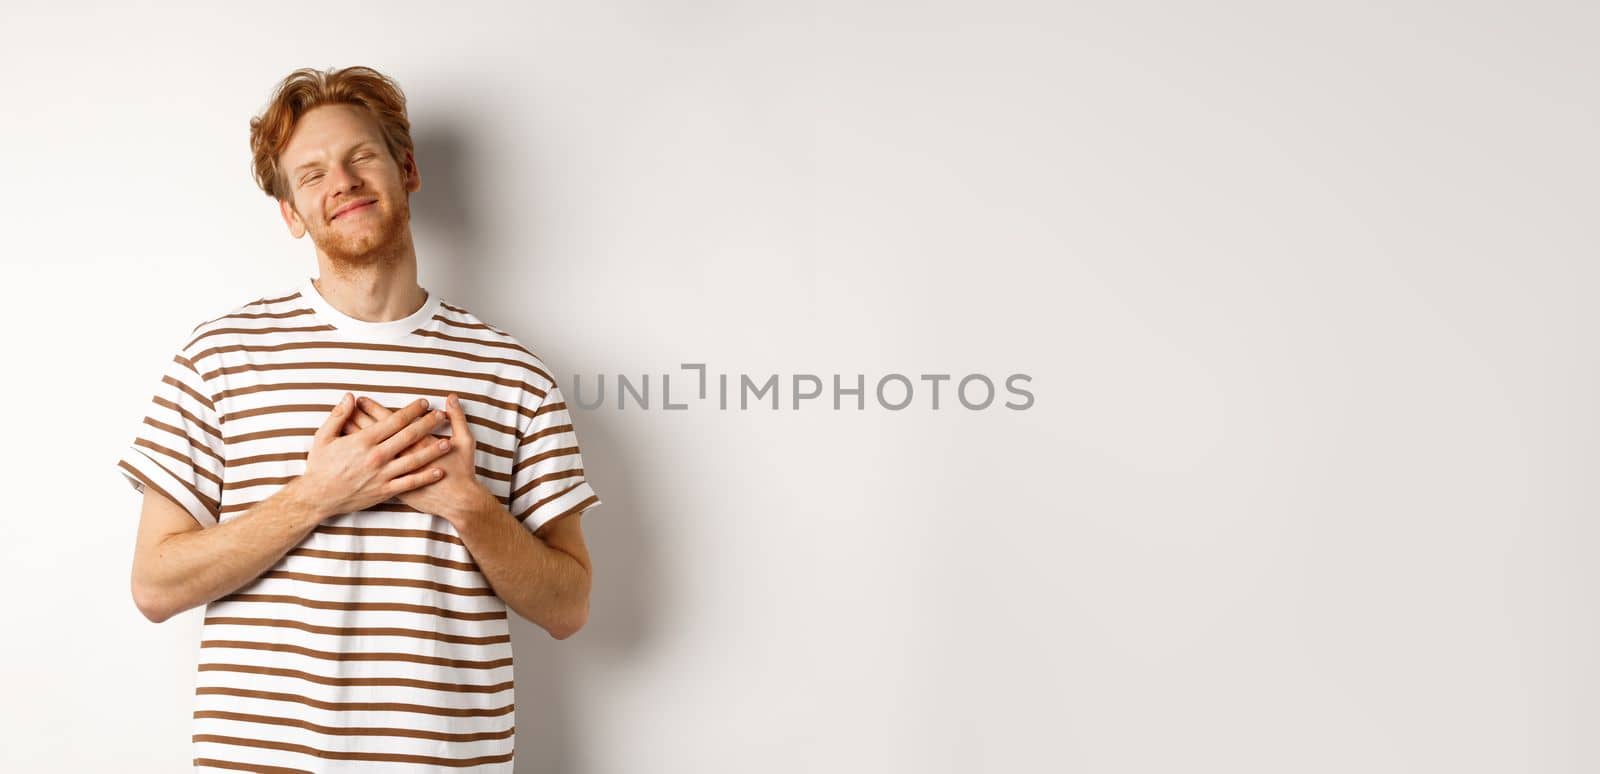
x: 355, y: 209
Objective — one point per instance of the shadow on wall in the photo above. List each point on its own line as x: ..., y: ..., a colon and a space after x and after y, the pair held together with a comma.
x: 625, y: 589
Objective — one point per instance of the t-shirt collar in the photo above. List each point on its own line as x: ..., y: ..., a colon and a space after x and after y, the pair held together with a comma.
x: 362, y: 329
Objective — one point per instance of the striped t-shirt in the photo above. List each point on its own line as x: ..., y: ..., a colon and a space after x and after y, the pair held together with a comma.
x: 375, y: 645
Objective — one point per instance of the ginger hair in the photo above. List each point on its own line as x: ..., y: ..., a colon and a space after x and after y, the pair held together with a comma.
x: 307, y: 88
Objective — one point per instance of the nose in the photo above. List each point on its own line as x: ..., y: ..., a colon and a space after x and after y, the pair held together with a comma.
x: 342, y: 178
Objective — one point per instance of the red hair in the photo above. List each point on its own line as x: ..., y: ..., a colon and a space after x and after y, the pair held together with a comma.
x: 307, y: 88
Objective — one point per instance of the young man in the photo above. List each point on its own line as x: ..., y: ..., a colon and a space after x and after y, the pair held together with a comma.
x: 356, y: 479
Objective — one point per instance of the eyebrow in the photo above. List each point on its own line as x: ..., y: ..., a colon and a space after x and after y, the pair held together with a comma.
x: 358, y: 146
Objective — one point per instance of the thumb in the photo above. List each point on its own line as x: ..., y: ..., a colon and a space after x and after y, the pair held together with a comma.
x: 459, y: 432
x: 335, y: 421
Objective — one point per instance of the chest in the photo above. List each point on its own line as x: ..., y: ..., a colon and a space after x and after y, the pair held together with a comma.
x: 271, y: 400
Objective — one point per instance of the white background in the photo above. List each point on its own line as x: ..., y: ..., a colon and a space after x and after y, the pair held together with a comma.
x: 1304, y: 289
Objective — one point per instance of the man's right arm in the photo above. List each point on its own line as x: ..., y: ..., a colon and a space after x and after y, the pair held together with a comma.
x: 177, y: 564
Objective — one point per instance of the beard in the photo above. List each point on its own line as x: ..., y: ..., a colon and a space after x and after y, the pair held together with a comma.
x: 372, y: 240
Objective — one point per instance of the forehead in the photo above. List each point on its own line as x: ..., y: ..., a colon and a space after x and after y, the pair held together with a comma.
x: 328, y: 130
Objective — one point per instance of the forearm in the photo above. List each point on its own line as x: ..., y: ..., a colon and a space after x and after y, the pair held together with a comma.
x: 194, y: 568
x: 542, y: 584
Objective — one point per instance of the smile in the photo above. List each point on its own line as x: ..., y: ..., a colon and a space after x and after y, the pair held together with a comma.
x: 355, y: 209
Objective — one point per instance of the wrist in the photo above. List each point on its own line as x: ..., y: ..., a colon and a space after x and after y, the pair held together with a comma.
x: 298, y: 500
x: 479, y: 504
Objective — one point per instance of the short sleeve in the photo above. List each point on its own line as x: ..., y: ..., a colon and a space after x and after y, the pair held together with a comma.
x: 178, y: 448
x: 547, y: 478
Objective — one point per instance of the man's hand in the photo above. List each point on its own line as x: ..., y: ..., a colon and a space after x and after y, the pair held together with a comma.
x: 459, y: 488
x: 347, y: 473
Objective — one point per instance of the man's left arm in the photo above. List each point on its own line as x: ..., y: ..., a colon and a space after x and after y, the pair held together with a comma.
x: 544, y: 576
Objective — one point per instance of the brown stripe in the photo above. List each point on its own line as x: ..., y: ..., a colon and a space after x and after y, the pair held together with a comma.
x: 537, y: 505
x: 373, y: 556
x: 285, y: 408
x: 179, y: 432
x: 542, y: 456
x: 249, y: 482
x: 256, y: 768
x: 204, y: 400
x: 185, y: 459
x: 383, y: 507
x: 299, y: 312
x: 371, y: 388
x: 302, y: 311
x: 286, y: 432
x: 391, y: 532
x: 133, y: 471
x: 479, y: 342
x: 554, y: 430
x: 388, y: 506
x: 256, y: 302
x: 340, y: 345
x: 284, y: 647
x: 361, y: 631
x: 183, y: 412
x: 279, y: 408
x: 466, y: 591
x: 260, y: 458
x: 234, y: 462
x: 400, y: 607
x: 259, y: 331
x: 559, y: 405
x: 356, y: 706
x: 474, y: 419
x: 545, y: 479
x: 210, y: 504
x: 396, y: 682
x: 281, y: 299
x: 324, y: 408
x: 357, y: 730
x: 399, y: 368
x: 189, y: 364
x: 475, y: 326
x: 590, y: 500
x: 351, y: 756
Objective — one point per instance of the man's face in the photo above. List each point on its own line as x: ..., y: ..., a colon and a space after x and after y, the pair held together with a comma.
x: 345, y: 188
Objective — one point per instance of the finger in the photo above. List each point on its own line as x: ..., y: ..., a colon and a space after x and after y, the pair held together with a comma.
x: 336, y: 419
x: 419, y: 428
x: 458, y: 419
x: 418, y: 455
x: 374, y: 409
x: 412, y: 481
x: 361, y: 419
x: 392, y: 424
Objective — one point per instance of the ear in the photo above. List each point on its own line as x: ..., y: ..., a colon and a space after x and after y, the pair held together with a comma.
x: 409, y: 174
x: 291, y: 218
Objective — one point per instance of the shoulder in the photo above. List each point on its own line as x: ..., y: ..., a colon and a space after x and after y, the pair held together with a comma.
x: 465, y: 328
x: 282, y: 308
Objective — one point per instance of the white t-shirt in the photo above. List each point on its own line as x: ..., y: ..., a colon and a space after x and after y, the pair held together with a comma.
x: 375, y: 644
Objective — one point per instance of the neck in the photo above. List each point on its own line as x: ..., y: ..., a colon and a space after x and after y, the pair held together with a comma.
x: 378, y: 290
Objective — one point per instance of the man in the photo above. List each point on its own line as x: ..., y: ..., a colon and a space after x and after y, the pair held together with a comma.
x: 356, y: 479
